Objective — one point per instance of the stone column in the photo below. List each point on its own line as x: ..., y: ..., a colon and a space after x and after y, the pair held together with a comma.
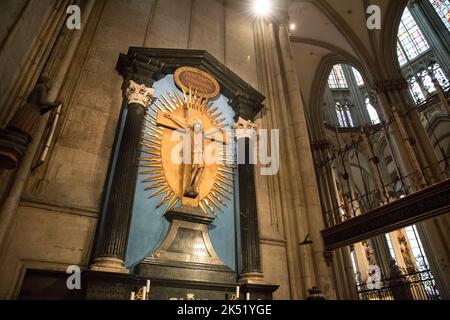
x: 340, y: 259
x: 374, y: 168
x: 441, y: 96
x: 316, y: 259
x: 423, y: 147
x: 400, y: 139
x: 115, y: 225
x: 246, y: 134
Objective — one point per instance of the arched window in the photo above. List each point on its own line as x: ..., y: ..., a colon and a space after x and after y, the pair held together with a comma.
x: 442, y: 8
x: 410, y: 38
x: 415, y: 56
x: 337, y: 78
x: 372, y: 111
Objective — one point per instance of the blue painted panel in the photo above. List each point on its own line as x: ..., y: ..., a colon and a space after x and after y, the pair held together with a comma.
x: 148, y: 226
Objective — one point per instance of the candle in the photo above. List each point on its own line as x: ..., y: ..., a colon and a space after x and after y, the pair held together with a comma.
x: 148, y: 286
x: 247, y: 296
x: 238, y: 289
x: 144, y: 293
x: 132, y: 295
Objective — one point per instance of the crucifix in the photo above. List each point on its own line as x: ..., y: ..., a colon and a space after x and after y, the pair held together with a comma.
x: 190, y: 122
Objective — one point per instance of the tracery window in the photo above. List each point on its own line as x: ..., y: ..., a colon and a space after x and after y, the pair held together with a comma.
x: 337, y: 79
x: 442, y: 8
x: 344, y: 115
x: 415, y: 90
x: 418, y: 62
x: 439, y: 74
x: 410, y: 38
x: 427, y: 81
x: 422, y: 85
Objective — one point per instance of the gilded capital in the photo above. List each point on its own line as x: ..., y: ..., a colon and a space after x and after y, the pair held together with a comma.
x: 139, y: 94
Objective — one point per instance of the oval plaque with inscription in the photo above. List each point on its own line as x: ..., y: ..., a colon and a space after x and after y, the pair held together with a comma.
x: 200, y: 82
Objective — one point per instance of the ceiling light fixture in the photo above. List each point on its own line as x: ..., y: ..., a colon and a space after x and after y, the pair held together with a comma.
x: 262, y: 8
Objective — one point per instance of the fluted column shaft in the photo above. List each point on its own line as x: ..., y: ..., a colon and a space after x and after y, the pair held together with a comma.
x: 115, y: 226
x: 250, y: 247
x: 251, y: 260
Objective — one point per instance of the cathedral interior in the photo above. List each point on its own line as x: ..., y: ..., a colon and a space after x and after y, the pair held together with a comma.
x: 345, y: 104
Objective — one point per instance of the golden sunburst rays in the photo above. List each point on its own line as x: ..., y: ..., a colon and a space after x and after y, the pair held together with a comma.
x: 151, y: 160
x: 222, y: 189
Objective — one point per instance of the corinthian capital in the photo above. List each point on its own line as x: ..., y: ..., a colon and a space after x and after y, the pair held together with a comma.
x: 139, y: 94
x: 245, y: 129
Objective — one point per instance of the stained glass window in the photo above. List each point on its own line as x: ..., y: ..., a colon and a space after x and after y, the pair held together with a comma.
x: 349, y: 117
x: 401, y: 56
x: 443, y: 10
x: 337, y: 78
x: 341, y: 116
x: 412, y: 41
x: 358, y: 77
x: 344, y: 115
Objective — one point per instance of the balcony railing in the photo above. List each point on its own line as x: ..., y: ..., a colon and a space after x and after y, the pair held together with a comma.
x: 373, y: 199
x: 413, y: 286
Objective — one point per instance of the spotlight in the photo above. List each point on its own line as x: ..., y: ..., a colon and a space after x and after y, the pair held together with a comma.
x: 262, y: 8
x: 292, y: 26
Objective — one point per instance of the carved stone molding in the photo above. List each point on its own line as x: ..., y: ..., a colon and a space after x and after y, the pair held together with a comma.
x: 139, y: 94
x: 391, y: 85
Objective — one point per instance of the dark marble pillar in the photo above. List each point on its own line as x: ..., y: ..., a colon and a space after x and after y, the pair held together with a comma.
x: 115, y: 224
x: 251, y: 261
x: 250, y: 246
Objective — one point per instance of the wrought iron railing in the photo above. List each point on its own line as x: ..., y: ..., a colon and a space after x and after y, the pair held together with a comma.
x: 413, y: 286
x: 362, y: 204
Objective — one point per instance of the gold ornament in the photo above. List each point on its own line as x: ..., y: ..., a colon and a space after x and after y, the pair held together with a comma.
x: 201, y: 182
